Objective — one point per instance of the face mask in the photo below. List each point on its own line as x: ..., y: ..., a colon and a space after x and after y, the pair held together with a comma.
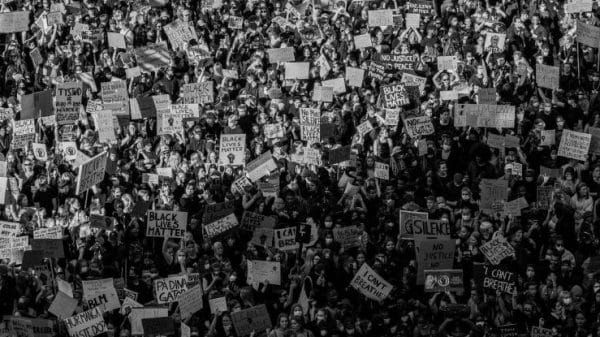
x: 350, y: 332
x: 328, y: 241
x: 466, y: 217
x: 232, y: 278
x: 297, y: 313
x: 446, y: 147
x: 386, y: 321
x: 328, y: 224
x: 465, y: 197
x: 84, y: 270
x: 567, y: 300
x: 530, y: 274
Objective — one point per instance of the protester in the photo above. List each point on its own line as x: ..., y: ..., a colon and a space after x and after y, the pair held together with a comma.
x: 300, y: 168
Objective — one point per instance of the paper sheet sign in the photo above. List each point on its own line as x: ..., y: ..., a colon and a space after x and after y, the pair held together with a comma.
x: 232, y: 149
x: 261, y: 271
x: 166, y: 224
x: 170, y: 289
x: 370, y: 284
x: 574, y: 145
x: 101, y: 293
x: 91, y: 172
x: 381, y: 17
x: 88, y: 323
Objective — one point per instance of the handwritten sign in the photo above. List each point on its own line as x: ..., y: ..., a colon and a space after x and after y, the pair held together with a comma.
x: 310, y: 125
x: 190, y: 301
x: 166, y: 224
x: 547, y: 76
x: 348, y: 236
x: 381, y: 17
x: 101, y: 292
x: 261, y: 271
x: 232, y: 149
x: 88, y: 323
x: 23, y: 133
x: 394, y: 96
x: 434, y: 254
x: 296, y: 70
x: 370, y: 284
x: 251, y: 319
x: 170, y: 289
x: 14, y: 22
x: 495, y: 278
x: 497, y: 250
x: 220, y: 226
x: 277, y: 55
x: 285, y: 238
x: 574, y: 145
x: 418, y: 126
x: 355, y: 76
x: 91, y: 172
x: 588, y: 34
x: 198, y: 93
x: 382, y: 171
x: 362, y: 41
x: 261, y: 166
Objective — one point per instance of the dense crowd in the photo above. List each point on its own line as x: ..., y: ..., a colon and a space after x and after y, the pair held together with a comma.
x: 355, y: 125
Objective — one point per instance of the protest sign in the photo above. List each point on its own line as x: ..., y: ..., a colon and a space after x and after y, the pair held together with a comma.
x: 495, y: 278
x: 101, y: 292
x: 381, y: 17
x: 129, y: 303
x: 382, y: 171
x: 578, y: 6
x: 252, y: 319
x: 63, y: 305
x: 217, y: 304
x: 509, y: 330
x: 285, y: 238
x: 370, y: 284
x: 48, y: 233
x: 364, y: 127
x: 274, y: 130
x: 23, y: 133
x: 296, y: 70
x: 251, y: 220
x: 173, y: 122
x: 423, y: 7
x: 131, y: 73
x: 548, y: 137
x: 363, y: 41
x: 419, y: 126
x: 116, y: 40
x: 13, y: 22
x: 588, y: 35
x: 170, y: 289
x: 20, y: 326
x: 43, y: 327
x: 377, y: 70
x: 91, y: 172
x: 408, y: 220
x: 494, y: 42
x: 347, y: 237
x: 152, y: 57
x: 105, y: 126
x: 486, y: 96
x: 544, y: 196
x: 447, y: 62
x: 495, y: 141
x: 595, y: 141
x: 232, y: 149
x: 198, y: 93
x: 36, y: 57
x: 448, y: 95
x: 261, y: 166
x: 547, y: 76
x: 166, y: 224
x: 574, y: 145
x: 310, y: 125
x: 355, y: 76
x: 497, y: 250
x: 413, y: 80
x: 49, y: 247
x: 392, y: 117
x: 115, y: 97
x: 338, y: 85
x: 54, y: 18
x: 65, y: 287
x: 101, y: 221
x: 39, y: 151
x: 262, y: 237
x: 493, y: 191
x: 220, y: 226
x: 88, y: 323
x: 413, y: 20
x: 394, y: 96
x: 261, y: 271
x: 398, y: 62
x: 322, y: 94
x: 443, y: 280
x: 339, y: 154
x: 216, y: 211
x: 9, y: 229
x: 277, y: 55
x: 537, y: 331
x: 137, y: 314
x: 180, y: 34
x: 158, y: 326
x: 36, y: 105
x: 190, y: 301
x: 433, y: 254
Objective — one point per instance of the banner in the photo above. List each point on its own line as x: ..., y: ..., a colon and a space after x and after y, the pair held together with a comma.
x: 68, y: 102
x: 220, y: 226
x: 88, y: 323
x: 232, y: 149
x: 444, y: 280
x: 418, y: 126
x: 497, y: 250
x: 91, y: 173
x: 170, y: 289
x: 101, y: 292
x: 574, y: 145
x: 261, y: 271
x: 370, y: 284
x: 166, y: 224
x: 252, y: 319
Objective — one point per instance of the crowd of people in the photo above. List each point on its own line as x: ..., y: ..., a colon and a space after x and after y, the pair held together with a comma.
x: 369, y: 168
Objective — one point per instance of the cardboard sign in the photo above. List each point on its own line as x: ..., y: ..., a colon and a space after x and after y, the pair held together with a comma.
x: 296, y: 70
x: 322, y: 94
x: 232, y: 149
x: 91, y: 172
x: 261, y: 166
x: 497, y: 250
x: 158, y: 326
x: 251, y: 221
x: 48, y: 233
x: 14, y: 22
x: 152, y: 57
x: 101, y: 292
x: 252, y: 319
x: 444, y: 280
x: 190, y: 302
x: 166, y: 224
x: 574, y: 145
x: 23, y: 133
x: 9, y: 229
x: 364, y: 128
x: 170, y: 289
x: 589, y: 35
x: 348, y: 237
x: 310, y: 125
x: 285, y: 239
x: 377, y: 70
x: 338, y: 85
x: 495, y: 278
x: 398, y: 62
x: 355, y: 76
x: 88, y: 323
x: 137, y: 314
x: 423, y: 7
x: 54, y: 18
x: 409, y: 79
x: 173, y: 122
x: 261, y: 271
x: 537, y: 331
x: 115, y: 97
x: 382, y: 171
x: 494, y: 42
x: 49, y: 247
x: 547, y: 76
x: 548, y: 137
x: 220, y: 226
x: 116, y: 40
x: 434, y: 254
x: 105, y: 126
x: 198, y: 93
x: 370, y: 284
x: 39, y: 151
x: 180, y: 34
x: 447, y: 63
x: 218, y: 304
x: 394, y: 96
x: 448, y: 95
x: 363, y: 41
x: 63, y: 305
x: 277, y: 55
x: 544, y: 196
x: 419, y: 126
x: 381, y: 17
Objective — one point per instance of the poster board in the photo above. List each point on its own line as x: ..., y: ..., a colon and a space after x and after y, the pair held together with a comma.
x: 91, y: 172
x: 441, y: 280
x: 433, y: 254
x: 166, y: 224
x: 547, y: 76
x: 296, y: 70
x: 261, y: 271
x: 497, y: 250
x: 574, y: 145
x: 251, y: 319
x: 220, y: 226
x: 278, y: 55
x: 232, y: 149
x: 191, y: 301
x: 170, y: 289
x: 419, y: 126
x: 198, y: 93
x: 380, y: 17
x: 88, y: 323
x: 310, y: 125
x: 14, y: 22
x: 101, y: 293
x: 371, y: 284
